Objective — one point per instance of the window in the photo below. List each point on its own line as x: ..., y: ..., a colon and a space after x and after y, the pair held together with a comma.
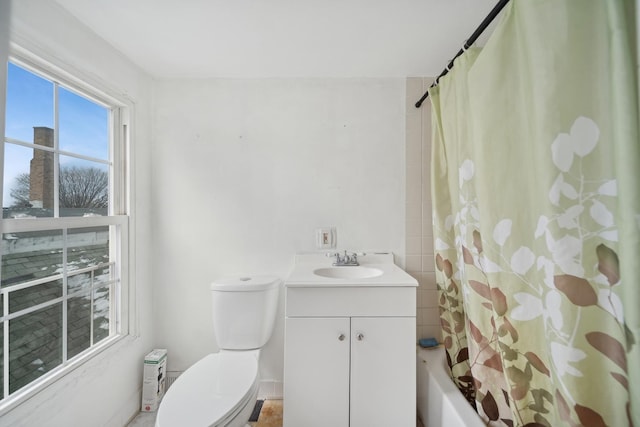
x: 64, y: 226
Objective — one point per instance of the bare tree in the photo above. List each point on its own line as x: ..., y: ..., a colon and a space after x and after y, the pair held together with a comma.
x: 80, y: 187
x: 20, y: 191
x: 83, y: 188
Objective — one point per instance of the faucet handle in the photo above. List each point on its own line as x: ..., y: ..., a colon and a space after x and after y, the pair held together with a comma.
x: 336, y: 255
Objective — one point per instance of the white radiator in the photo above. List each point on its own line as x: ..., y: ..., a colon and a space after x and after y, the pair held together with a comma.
x: 172, y: 376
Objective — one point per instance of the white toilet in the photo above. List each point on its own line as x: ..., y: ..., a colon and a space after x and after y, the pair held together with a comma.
x: 221, y: 388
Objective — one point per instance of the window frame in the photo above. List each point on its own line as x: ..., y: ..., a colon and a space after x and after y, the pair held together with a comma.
x: 118, y: 219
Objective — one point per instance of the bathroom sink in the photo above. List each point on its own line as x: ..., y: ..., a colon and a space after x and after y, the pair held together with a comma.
x: 376, y: 269
x: 351, y: 272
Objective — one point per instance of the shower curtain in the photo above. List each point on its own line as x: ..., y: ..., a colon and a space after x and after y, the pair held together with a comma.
x: 536, y: 195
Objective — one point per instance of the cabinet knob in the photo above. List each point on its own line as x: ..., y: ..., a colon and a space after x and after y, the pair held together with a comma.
x: 341, y: 337
x: 360, y: 337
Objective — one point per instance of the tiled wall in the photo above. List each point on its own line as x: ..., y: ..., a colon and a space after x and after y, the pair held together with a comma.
x: 419, y: 239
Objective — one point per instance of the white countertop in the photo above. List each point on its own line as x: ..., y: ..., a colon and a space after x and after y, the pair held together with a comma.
x: 302, y: 274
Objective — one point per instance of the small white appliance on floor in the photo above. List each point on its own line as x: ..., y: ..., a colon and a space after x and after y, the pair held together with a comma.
x: 221, y: 388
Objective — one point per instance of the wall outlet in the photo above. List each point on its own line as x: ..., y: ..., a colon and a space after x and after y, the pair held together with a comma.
x: 326, y: 238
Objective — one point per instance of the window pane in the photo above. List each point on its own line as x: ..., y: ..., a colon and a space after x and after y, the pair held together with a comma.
x: 78, y: 283
x: 88, y: 247
x: 102, y: 276
x: 29, y: 103
x: 34, y: 295
x: 28, y: 182
x: 83, y: 124
x: 79, y: 324
x: 30, y: 255
x: 84, y: 187
x: 101, y: 318
x: 35, y: 345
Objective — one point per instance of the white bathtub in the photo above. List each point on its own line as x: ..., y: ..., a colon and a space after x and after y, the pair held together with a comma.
x: 440, y: 403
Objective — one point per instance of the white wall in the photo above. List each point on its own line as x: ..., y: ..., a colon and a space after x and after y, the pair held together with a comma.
x: 419, y: 229
x: 245, y: 170
x: 106, y: 390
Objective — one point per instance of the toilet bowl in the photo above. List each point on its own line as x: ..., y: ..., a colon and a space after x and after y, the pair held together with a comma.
x: 221, y: 388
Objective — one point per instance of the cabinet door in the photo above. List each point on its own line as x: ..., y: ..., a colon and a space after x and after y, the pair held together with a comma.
x: 383, y: 372
x: 316, y: 372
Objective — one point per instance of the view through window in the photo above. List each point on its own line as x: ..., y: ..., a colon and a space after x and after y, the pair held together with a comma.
x: 62, y: 231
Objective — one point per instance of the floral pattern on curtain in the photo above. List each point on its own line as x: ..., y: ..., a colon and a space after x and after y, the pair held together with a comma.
x: 527, y: 220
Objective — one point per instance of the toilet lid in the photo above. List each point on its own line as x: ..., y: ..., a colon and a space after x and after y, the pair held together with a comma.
x: 210, y: 390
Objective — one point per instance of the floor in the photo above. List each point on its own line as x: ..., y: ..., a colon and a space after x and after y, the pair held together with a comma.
x: 143, y: 419
x: 270, y: 416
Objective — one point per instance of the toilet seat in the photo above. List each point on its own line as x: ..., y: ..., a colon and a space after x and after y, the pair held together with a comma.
x: 213, y: 391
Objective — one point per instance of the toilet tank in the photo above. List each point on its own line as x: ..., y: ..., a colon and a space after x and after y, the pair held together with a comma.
x: 244, y: 310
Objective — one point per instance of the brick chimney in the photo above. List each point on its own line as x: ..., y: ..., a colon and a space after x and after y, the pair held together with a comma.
x: 41, y: 174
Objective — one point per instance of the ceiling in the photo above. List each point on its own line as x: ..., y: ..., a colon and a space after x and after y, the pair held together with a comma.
x: 284, y: 38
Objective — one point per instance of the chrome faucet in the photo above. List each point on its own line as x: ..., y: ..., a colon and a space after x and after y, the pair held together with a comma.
x: 346, y: 259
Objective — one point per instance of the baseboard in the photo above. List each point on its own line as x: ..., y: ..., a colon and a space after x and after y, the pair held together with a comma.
x: 270, y: 389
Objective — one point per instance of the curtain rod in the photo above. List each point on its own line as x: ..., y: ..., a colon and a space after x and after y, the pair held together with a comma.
x: 483, y: 26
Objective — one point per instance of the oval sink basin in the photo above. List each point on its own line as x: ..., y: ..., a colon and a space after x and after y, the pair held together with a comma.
x: 358, y: 272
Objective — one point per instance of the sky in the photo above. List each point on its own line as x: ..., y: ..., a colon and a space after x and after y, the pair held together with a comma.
x: 82, y: 123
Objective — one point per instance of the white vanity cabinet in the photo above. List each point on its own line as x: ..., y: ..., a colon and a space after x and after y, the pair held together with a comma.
x: 350, y: 356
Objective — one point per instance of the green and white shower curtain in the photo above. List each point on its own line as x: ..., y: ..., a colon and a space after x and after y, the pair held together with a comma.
x: 536, y: 195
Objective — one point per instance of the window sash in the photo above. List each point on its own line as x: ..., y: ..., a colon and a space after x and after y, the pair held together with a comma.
x: 118, y: 303
x: 20, y: 225
x: 115, y: 139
